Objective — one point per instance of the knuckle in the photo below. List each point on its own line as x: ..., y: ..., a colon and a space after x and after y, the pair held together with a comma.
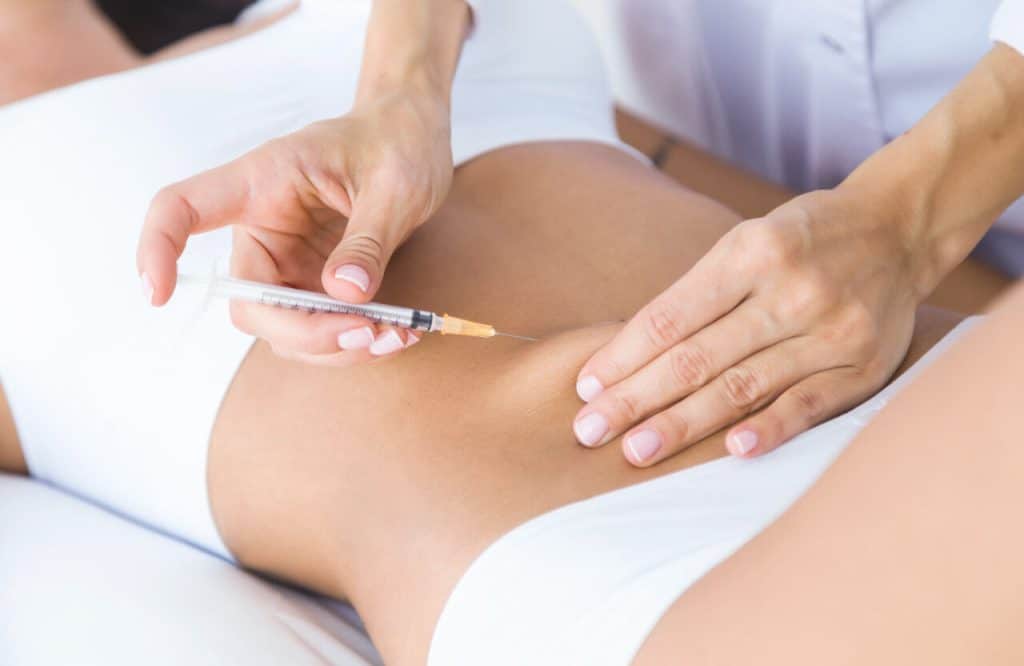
x: 365, y: 247
x: 623, y: 406
x: 768, y: 245
x: 855, y: 331
x: 662, y: 324
x: 164, y: 198
x: 811, y: 402
x: 691, y: 366
x: 860, y: 327
x: 674, y: 427
x: 743, y: 387
x: 805, y: 298
x: 168, y: 201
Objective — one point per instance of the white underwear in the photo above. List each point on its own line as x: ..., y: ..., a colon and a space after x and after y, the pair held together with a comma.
x: 115, y: 401
x: 586, y: 583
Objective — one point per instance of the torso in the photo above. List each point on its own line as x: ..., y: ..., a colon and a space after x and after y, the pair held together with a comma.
x: 404, y: 475
x: 405, y: 470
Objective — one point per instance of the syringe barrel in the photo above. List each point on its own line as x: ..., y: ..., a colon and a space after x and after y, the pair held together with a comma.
x: 297, y: 299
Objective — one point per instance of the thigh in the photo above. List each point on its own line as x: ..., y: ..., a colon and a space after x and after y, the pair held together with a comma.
x: 906, y: 551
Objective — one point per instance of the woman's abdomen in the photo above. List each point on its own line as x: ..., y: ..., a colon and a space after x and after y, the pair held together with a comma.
x: 404, y: 469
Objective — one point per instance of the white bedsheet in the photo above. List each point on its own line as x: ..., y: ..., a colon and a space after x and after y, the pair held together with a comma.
x: 82, y: 586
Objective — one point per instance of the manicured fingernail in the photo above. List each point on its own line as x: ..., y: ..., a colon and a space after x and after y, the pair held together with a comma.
x: 413, y: 339
x: 590, y: 429
x: 588, y: 388
x: 643, y: 445
x: 147, y: 288
x: 357, y: 338
x: 355, y: 275
x: 742, y: 442
x: 387, y: 343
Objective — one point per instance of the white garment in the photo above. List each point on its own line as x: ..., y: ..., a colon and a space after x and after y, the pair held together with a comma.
x: 82, y: 587
x: 114, y: 400
x: 586, y: 583
x: 799, y: 91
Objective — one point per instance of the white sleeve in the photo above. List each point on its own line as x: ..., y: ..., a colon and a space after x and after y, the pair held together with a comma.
x: 1007, y: 24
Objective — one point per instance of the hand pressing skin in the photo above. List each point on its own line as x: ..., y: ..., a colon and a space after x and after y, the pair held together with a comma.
x: 324, y: 208
x: 795, y: 317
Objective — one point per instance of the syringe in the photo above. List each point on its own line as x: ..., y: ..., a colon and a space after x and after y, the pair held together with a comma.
x: 309, y: 301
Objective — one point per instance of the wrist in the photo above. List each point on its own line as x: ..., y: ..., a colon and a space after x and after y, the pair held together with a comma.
x: 943, y: 184
x: 413, y: 47
x: 895, y: 192
x: 415, y: 80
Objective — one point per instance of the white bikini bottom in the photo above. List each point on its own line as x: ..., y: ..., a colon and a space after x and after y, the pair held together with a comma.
x: 586, y: 583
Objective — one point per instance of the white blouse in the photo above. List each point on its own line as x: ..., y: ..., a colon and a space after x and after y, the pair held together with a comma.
x: 799, y: 91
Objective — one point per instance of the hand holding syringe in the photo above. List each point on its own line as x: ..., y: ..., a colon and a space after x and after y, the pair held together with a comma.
x: 308, y: 301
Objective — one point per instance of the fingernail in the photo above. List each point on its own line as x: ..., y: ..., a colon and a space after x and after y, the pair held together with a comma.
x: 742, y: 442
x: 355, y: 275
x: 387, y: 343
x: 643, y: 445
x: 147, y: 288
x: 588, y: 388
x: 590, y: 429
x: 357, y: 338
x: 413, y: 339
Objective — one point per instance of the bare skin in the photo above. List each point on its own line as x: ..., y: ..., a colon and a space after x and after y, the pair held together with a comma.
x: 441, y: 450
x: 403, y: 471
x: 12, y: 459
x: 45, y: 44
x: 969, y: 288
x: 908, y: 549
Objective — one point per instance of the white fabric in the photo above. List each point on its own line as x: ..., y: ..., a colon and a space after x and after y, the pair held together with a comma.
x: 115, y: 400
x: 799, y: 91
x: 586, y: 583
x: 1008, y: 24
x: 81, y: 586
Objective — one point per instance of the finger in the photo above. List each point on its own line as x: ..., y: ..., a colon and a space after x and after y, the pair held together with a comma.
x: 201, y: 203
x: 341, y: 359
x: 738, y: 392
x: 801, y: 407
x: 388, y: 341
x: 303, y: 332
x: 290, y: 331
x: 354, y: 269
x: 706, y: 292
x: 677, y: 373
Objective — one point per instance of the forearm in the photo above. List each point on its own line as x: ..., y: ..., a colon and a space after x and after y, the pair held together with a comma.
x: 952, y: 175
x: 413, y: 44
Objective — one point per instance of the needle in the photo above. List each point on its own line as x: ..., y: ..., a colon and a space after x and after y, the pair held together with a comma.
x: 517, y: 337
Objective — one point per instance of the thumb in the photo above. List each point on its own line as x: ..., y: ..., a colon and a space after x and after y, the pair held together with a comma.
x: 202, y: 203
x: 354, y: 270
